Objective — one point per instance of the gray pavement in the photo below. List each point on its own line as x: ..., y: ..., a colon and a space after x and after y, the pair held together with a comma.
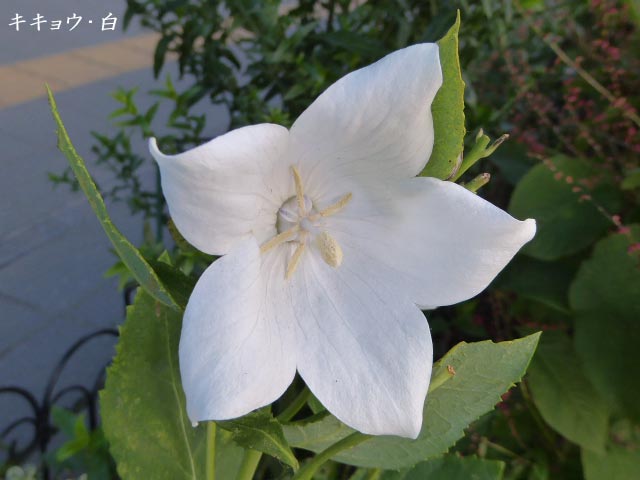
x: 53, y: 253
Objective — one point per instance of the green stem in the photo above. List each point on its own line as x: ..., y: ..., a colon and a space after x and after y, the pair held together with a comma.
x: 307, y: 472
x: 295, y: 406
x: 481, y: 149
x: 505, y: 451
x: 249, y: 464
x: 211, y: 451
x: 537, y: 418
x: 478, y: 182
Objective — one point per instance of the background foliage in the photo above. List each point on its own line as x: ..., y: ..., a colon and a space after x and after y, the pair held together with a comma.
x: 561, y: 78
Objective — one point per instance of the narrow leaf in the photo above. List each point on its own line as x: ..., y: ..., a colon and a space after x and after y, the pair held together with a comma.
x: 448, y: 110
x: 139, y: 267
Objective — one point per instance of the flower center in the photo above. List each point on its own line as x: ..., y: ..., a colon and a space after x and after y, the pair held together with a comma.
x: 300, y: 223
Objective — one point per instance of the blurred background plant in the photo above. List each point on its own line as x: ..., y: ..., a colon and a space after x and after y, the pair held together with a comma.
x: 561, y: 77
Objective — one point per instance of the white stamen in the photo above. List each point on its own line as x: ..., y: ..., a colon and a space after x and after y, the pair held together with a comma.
x: 295, y: 260
x: 335, y: 208
x: 279, y: 239
x: 299, y: 190
x: 297, y: 226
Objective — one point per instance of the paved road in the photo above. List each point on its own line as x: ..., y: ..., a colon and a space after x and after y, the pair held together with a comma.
x: 52, y: 251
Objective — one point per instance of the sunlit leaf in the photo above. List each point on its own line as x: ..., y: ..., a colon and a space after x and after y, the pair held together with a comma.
x: 484, y: 371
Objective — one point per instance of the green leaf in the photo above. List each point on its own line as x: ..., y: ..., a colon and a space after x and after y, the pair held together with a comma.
x: 632, y: 180
x: 352, y: 41
x: 160, y: 53
x: 544, y: 282
x: 143, y: 405
x: 448, y: 110
x: 260, y: 431
x: 565, y: 398
x: 65, y: 420
x: 512, y: 161
x: 605, y: 297
x: 566, y: 224
x: 179, y: 284
x: 74, y: 428
x: 618, y: 463
x: 484, y: 371
x: 139, y: 267
x: 452, y: 467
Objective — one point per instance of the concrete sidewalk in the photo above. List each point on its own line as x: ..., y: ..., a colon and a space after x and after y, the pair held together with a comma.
x: 53, y: 252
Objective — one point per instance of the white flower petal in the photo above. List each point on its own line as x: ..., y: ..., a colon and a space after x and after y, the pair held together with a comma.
x: 237, y: 349
x: 374, y: 121
x: 442, y: 243
x: 363, y: 349
x: 222, y: 191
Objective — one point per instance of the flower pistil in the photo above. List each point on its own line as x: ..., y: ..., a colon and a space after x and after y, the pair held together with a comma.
x: 298, y: 221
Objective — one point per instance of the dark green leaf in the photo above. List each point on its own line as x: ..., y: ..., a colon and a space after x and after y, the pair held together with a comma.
x: 179, y: 284
x: 260, y: 431
x: 366, y: 46
x: 566, y: 222
x: 565, y: 398
x: 605, y: 297
x: 632, y: 180
x: 545, y: 282
x: 513, y: 162
x: 160, y: 54
x: 452, y: 467
x: 618, y: 463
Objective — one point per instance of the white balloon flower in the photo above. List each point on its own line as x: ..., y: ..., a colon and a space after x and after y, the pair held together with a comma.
x: 331, y: 248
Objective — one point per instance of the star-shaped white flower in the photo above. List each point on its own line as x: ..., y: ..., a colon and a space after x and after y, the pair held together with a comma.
x: 331, y: 248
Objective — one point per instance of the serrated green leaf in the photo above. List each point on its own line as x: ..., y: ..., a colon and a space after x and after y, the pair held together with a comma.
x: 179, y: 284
x: 143, y: 405
x: 448, y: 110
x: 565, y: 223
x: 618, y: 463
x: 564, y: 396
x: 260, y: 431
x: 605, y: 297
x: 484, y: 371
x: 452, y: 467
x: 139, y: 267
